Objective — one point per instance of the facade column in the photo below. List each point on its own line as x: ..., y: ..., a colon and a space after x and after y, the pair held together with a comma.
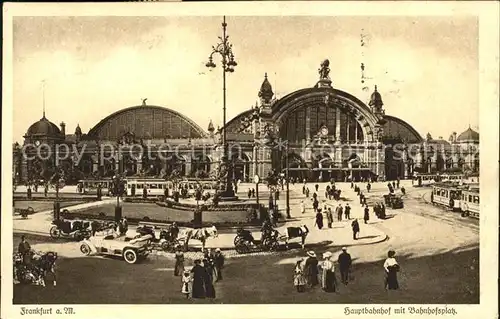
x: 337, y: 126
x: 405, y: 164
x: 356, y: 131
x: 189, y: 166
x: 308, y: 125
x: 139, y: 165
x: 348, y: 127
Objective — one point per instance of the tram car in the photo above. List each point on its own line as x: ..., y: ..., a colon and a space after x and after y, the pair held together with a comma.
x: 425, y: 180
x: 469, y: 204
x: 154, y: 186
x: 447, y: 194
x: 89, y: 186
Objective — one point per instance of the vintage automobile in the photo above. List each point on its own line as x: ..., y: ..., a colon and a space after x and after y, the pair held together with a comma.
x: 131, y: 250
x: 393, y: 201
x: 71, y: 228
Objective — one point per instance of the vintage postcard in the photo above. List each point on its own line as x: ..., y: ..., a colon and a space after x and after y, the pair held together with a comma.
x: 250, y: 160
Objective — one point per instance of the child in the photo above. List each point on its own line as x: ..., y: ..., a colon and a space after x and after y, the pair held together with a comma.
x: 186, y: 280
x: 299, y: 280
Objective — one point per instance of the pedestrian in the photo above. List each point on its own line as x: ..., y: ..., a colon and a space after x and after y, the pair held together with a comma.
x: 352, y: 185
x: 368, y: 187
x: 304, y: 189
x: 403, y: 190
x: 311, y: 269
x: 46, y: 190
x: 299, y: 279
x: 361, y: 198
x: 24, y: 249
x: 391, y: 268
x: 355, y: 229
x: 319, y: 220
x: 340, y: 211
x: 345, y: 262
x: 249, y: 193
x: 208, y: 279
x: 329, y: 217
x: 307, y: 192
x: 302, y: 207
x: 397, y: 183
x: 316, y: 187
x: 328, y: 280
x: 393, y: 185
x: 347, y: 211
x: 145, y: 192
x: 179, y: 261
x: 198, y: 272
x: 186, y: 281
x: 218, y: 264
x: 277, y: 195
x: 29, y: 193
x: 253, y: 192
x: 367, y: 214
x: 315, y: 205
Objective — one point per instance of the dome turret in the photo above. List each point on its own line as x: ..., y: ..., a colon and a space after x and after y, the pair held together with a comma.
x: 43, y: 127
x: 266, y: 91
x: 211, y: 127
x: 468, y: 135
x: 78, y: 130
x: 376, y: 101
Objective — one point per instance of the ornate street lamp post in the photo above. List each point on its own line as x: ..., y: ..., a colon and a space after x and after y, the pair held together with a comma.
x: 224, y: 49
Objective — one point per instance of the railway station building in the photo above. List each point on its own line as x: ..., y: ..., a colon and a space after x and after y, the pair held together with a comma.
x: 319, y: 133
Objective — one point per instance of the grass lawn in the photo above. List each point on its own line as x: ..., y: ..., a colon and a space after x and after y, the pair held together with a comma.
x: 442, y: 279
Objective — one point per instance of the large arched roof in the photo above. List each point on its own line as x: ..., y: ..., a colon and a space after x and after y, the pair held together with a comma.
x: 397, y: 128
x: 147, y: 122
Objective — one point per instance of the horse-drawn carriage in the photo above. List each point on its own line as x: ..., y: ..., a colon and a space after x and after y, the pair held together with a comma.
x: 271, y: 239
x: 71, y: 228
x: 393, y: 201
x: 24, y: 212
x: 33, y: 267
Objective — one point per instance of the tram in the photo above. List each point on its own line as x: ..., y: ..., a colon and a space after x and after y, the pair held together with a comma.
x: 447, y: 194
x: 154, y: 186
x: 453, y: 178
x: 469, y: 204
x: 422, y: 180
x: 89, y: 186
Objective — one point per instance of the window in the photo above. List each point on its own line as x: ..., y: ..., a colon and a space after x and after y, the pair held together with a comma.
x: 476, y: 199
x: 140, y: 185
x: 470, y: 198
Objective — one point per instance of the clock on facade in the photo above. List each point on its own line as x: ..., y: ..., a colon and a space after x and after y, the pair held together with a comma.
x: 37, y: 143
x: 324, y: 131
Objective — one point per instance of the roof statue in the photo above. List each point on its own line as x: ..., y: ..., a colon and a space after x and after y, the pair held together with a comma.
x: 324, y: 70
x: 144, y: 102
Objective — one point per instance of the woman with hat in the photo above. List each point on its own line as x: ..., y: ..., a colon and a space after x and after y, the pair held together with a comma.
x: 198, y: 280
x: 311, y: 269
x: 328, y: 280
x: 179, y: 261
x: 391, y: 268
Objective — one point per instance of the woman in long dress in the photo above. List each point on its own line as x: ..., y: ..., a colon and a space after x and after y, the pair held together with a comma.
x: 311, y: 269
x: 319, y: 219
x: 208, y: 279
x: 198, y: 280
x: 179, y: 262
x: 299, y: 280
x: 391, y: 268
x: 328, y: 280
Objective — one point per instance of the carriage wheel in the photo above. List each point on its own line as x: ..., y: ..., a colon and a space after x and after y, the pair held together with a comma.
x: 55, y: 232
x: 85, y: 249
x: 236, y: 240
x: 130, y: 256
x: 273, y: 245
x: 242, y: 248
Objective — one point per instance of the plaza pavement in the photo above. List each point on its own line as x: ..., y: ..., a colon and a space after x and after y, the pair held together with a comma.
x: 339, y: 235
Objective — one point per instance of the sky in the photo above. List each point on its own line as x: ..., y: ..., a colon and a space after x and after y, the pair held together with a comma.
x: 426, y: 68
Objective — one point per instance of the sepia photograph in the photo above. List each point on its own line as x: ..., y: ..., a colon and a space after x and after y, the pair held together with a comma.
x: 230, y: 157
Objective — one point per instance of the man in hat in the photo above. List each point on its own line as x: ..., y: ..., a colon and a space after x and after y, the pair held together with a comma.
x: 218, y: 264
x: 347, y: 211
x: 311, y: 269
x: 25, y: 250
x: 345, y: 262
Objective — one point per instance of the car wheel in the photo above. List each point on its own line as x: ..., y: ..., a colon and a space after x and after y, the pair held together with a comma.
x: 130, y: 256
x: 55, y: 232
x: 85, y: 249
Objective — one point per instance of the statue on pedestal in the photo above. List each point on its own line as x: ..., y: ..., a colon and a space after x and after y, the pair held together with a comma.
x: 324, y: 70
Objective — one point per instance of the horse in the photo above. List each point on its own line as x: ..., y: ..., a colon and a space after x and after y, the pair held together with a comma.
x: 296, y: 232
x: 201, y: 234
